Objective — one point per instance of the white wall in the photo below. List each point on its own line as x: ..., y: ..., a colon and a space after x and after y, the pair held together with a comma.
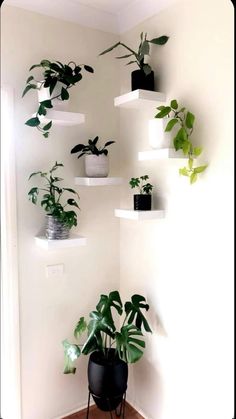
x: 50, y: 307
x: 184, y: 263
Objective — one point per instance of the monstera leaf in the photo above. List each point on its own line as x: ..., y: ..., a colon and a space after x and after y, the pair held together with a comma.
x: 134, y: 313
x: 128, y: 346
x: 71, y: 353
x: 80, y: 327
x: 106, y: 303
x: 98, y: 324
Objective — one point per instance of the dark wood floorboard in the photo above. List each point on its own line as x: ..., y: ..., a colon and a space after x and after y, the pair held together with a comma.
x: 95, y: 413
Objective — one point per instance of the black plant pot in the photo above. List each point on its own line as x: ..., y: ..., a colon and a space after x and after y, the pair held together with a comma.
x: 107, y: 379
x: 139, y: 80
x: 142, y: 202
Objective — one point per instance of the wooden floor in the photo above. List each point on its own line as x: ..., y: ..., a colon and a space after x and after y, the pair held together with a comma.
x: 95, y: 413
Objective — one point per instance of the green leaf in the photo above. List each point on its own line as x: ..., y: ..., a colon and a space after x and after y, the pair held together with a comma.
x: 95, y: 140
x: 46, y: 134
x: 197, y: 151
x: 72, y: 202
x: 134, y: 182
x: 77, y: 69
x: 181, y: 139
x: 29, y: 79
x: 145, y: 48
x: 45, y: 63
x: 193, y: 178
x: 52, y: 85
x: 171, y: 124
x: 147, y: 69
x: 34, y: 174
x: 184, y: 171
x: 131, y: 62
x: 64, y: 94
x: 47, y: 126
x: 133, y: 310
x: 70, y: 190
x: 98, y: 323
x: 88, y: 68
x: 27, y: 88
x: 129, y: 347
x: 109, y: 143
x: 77, y: 78
x: 124, y: 56
x: 106, y: 303
x: 190, y: 163
x: 33, y: 195
x: 34, y: 66
x: 42, y: 110
x: 160, y: 108
x: 47, y: 103
x: 189, y: 120
x: 55, y: 67
x: 200, y: 169
x: 186, y: 147
x: 71, y: 353
x: 160, y: 41
x: 77, y: 148
x: 110, y: 49
x: 174, y: 104
x: 164, y: 112
x: 33, y: 122
x: 80, y: 327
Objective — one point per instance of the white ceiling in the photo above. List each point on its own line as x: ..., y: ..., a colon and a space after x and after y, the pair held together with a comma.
x: 109, y: 6
x: 116, y: 16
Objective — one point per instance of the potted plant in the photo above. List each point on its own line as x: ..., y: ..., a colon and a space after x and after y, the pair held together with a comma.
x: 96, y: 159
x: 142, y: 200
x: 110, y: 347
x: 57, y: 79
x: 58, y: 220
x: 183, y: 120
x: 143, y: 78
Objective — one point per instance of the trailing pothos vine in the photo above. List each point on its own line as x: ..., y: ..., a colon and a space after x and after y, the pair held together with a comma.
x: 184, y: 120
x: 53, y: 72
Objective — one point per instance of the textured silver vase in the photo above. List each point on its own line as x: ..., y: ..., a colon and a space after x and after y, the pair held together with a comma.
x: 55, y: 229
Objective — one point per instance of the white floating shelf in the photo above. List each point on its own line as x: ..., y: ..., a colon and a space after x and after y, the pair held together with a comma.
x: 73, y: 241
x: 139, y: 215
x: 161, y: 153
x: 62, y: 118
x: 139, y: 99
x: 98, y: 181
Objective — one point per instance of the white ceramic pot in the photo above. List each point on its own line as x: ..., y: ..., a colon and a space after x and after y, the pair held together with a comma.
x: 58, y: 104
x: 158, y: 138
x: 96, y: 166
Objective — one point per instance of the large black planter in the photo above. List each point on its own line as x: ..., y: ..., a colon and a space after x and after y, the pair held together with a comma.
x: 107, y: 379
x: 139, y: 80
x: 142, y: 202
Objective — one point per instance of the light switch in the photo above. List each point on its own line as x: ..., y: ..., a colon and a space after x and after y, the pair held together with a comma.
x: 55, y: 270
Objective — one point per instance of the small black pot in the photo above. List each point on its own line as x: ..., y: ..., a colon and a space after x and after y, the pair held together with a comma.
x: 107, y: 379
x: 142, y: 202
x: 139, y: 80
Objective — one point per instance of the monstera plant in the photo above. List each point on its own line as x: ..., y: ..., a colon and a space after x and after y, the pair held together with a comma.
x: 110, y: 348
